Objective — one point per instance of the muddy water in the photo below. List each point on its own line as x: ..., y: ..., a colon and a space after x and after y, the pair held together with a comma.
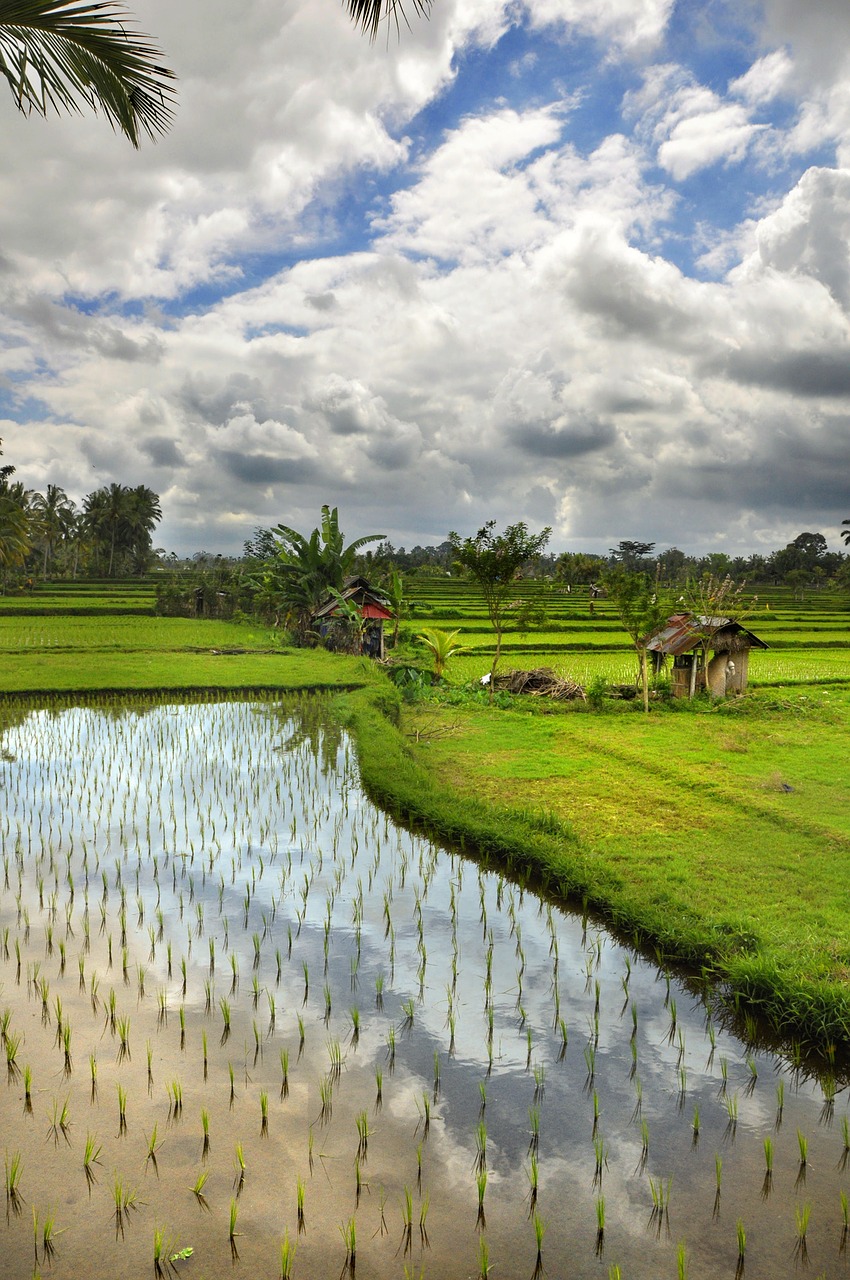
x: 209, y: 882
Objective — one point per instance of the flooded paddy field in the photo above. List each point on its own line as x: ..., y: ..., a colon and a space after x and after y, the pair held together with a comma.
x: 248, y: 1020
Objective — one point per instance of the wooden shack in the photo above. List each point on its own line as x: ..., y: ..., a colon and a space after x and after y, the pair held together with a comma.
x: 330, y: 622
x: 687, y: 638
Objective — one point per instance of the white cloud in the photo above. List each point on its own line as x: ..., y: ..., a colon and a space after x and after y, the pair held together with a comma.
x: 765, y: 80
x: 688, y: 124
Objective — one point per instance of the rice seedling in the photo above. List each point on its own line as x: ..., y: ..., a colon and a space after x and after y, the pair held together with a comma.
x: 659, y: 1190
x: 483, y: 1259
x: 695, y: 1124
x: 601, y: 1153
x: 122, y: 1108
x: 731, y: 1101
x: 600, y: 1224
x: 802, y: 1214
x: 803, y: 1146
x: 348, y: 1231
x: 534, y: 1124
x: 13, y: 1167
x: 481, y: 1184
x: 175, y: 1096
x: 480, y: 1162
x: 122, y: 1025
x: 681, y: 1261
x: 780, y: 1101
x: 224, y: 1006
x: 264, y: 1114
x: 287, y: 1257
x: 240, y: 1168
x: 845, y: 1214
x: 60, y: 1121
x: 48, y: 1236
x: 424, y: 1206
x: 533, y: 1175
x: 300, y: 1189
x: 407, y: 1220
x: 28, y: 1088
x: 124, y: 1198
x: 153, y: 1145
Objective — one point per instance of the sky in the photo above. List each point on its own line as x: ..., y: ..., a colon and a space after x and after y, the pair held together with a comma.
x: 580, y: 263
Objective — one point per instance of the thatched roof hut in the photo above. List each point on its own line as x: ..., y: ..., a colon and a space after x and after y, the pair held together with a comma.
x: 687, y: 638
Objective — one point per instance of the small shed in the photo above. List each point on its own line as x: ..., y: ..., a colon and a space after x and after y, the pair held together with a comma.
x: 329, y: 621
x: 686, y: 637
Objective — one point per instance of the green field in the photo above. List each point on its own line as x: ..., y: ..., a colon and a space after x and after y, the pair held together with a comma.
x: 809, y: 640
x: 719, y: 833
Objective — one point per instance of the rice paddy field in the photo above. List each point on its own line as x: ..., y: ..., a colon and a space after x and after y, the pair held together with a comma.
x: 809, y: 640
x: 251, y: 1027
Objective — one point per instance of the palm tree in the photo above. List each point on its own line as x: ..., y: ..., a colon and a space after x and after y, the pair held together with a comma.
x: 142, y: 514
x: 62, y: 55
x: 54, y: 512
x: 14, y: 534
x: 845, y: 533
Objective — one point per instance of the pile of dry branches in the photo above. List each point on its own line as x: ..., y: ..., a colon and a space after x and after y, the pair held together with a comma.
x: 542, y: 682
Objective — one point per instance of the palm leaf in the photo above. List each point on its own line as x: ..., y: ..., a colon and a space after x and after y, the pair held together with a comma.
x: 62, y: 55
x: 369, y: 14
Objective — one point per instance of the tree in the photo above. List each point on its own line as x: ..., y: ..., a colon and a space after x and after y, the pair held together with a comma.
x: 303, y: 570
x: 121, y: 521
x: 494, y: 560
x: 7, y: 471
x: 54, y: 515
x: 641, y: 610
x: 631, y: 555
x: 845, y: 533
x: 63, y: 55
x: 15, y: 538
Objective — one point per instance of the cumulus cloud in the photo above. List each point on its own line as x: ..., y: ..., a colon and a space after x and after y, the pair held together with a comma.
x: 365, y: 275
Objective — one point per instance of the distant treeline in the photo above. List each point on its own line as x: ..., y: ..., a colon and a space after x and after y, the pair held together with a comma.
x: 46, y: 534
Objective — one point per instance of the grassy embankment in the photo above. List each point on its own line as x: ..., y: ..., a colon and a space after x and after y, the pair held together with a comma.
x: 677, y: 828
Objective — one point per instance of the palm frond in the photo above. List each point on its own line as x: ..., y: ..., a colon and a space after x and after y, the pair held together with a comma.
x: 62, y: 55
x: 369, y: 14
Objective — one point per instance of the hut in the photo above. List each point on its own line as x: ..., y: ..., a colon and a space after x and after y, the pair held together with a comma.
x: 687, y: 639
x: 330, y: 622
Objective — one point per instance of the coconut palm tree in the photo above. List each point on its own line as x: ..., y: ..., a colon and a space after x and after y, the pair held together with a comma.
x: 53, y: 515
x: 14, y: 534
x: 64, y: 55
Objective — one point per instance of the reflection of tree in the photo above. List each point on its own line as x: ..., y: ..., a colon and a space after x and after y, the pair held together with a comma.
x: 307, y: 724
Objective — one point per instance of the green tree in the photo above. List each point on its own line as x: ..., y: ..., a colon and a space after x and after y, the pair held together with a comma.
x: 121, y: 521
x: 631, y: 555
x: 494, y: 560
x: 845, y: 533
x: 15, y: 533
x: 642, y: 611
x: 54, y: 515
x: 303, y: 570
x: 64, y: 55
